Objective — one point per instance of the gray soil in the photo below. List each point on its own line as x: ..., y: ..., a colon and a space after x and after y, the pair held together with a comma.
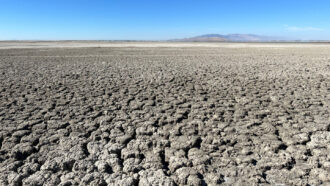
x: 165, y: 116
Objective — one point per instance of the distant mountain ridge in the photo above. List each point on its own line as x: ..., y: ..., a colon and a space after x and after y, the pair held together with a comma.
x: 231, y: 38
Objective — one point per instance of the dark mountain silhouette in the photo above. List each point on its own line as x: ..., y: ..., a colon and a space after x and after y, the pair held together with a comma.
x: 231, y: 38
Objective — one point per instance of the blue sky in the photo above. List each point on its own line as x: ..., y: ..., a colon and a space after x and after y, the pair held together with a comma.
x: 161, y: 19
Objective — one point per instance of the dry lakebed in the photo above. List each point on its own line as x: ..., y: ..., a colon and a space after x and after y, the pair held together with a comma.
x: 157, y: 113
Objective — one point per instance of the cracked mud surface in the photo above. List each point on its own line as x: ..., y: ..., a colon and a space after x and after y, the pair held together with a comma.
x: 165, y: 116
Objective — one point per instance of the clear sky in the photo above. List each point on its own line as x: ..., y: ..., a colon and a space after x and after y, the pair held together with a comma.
x: 162, y: 19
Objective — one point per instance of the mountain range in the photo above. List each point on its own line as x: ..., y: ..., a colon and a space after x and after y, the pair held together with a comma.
x: 231, y: 38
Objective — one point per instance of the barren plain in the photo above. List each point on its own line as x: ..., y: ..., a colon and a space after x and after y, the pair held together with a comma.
x: 164, y: 114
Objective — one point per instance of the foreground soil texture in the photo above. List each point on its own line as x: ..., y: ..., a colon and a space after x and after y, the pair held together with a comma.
x: 165, y: 115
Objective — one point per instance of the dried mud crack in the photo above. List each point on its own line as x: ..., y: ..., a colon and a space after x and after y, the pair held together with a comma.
x: 165, y: 116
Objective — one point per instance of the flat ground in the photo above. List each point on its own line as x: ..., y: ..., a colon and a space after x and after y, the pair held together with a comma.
x: 164, y: 114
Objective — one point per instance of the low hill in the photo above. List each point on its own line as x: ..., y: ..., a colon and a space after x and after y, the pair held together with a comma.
x: 230, y: 38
